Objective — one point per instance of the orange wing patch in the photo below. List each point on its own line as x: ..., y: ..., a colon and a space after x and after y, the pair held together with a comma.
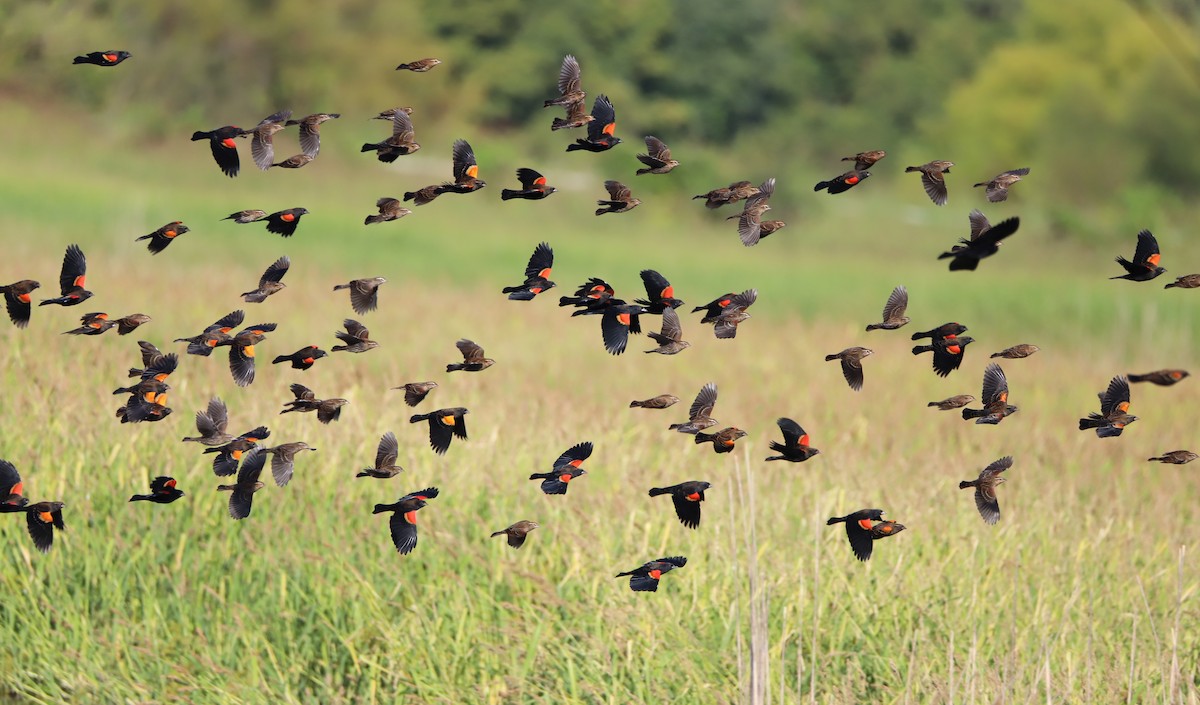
x: 288, y: 217
x: 229, y: 143
x: 24, y: 298
x: 79, y: 280
x: 694, y: 497
x: 472, y: 171
x: 448, y: 420
x: 668, y: 293
x: 610, y: 129
x: 656, y: 574
x: 540, y: 181
x: 1154, y: 259
x: 803, y: 442
x: 623, y: 319
x: 545, y: 273
x: 248, y: 350
x: 865, y: 523
x: 46, y: 517
x: 411, y: 518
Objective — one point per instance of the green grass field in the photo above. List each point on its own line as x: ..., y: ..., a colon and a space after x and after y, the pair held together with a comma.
x: 1085, y: 591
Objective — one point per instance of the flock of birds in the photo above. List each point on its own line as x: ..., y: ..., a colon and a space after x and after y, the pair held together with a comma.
x: 245, y: 456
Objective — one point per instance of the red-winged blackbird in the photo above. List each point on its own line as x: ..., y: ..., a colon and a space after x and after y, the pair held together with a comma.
x: 11, y: 487
x: 951, y: 403
x: 310, y: 132
x: 415, y: 392
x: 389, y: 209
x: 997, y: 187
x: 985, y: 241
x: 72, y: 279
x: 283, y: 460
x: 712, y: 310
x: 214, y: 335
x: 92, y: 324
x: 270, y: 282
x: 473, y: 358
x: 130, y: 323
x: 593, y: 296
x: 243, y: 217
x: 150, y: 407
x: 390, y: 113
x: 893, y: 311
x: 230, y: 454
x: 1114, y: 413
x: 328, y: 410
x: 727, y: 312
x: 444, y: 423
x: 1163, y: 378
x: 700, y: 412
x: 616, y: 323
x: 294, y: 162
x: 364, y: 293
x: 356, y: 337
x: 533, y: 187
x: 737, y: 191
x: 722, y: 441
x: 843, y: 183
x: 658, y: 158
x: 1177, y: 457
x: 241, y: 500
x: 303, y: 358
x: 403, y: 523
x: 466, y: 170
x: 17, y: 298
x: 662, y: 401
x: 670, y: 340
x: 566, y: 468
x: 947, y: 353
x: 601, y: 128
x: 994, y: 398
x: 687, y: 497
x: 866, y: 160
x: 985, y: 488
x: 645, y: 578
x: 621, y: 199
x: 162, y: 491
x: 111, y: 57
x: 851, y: 359
x: 154, y: 363
x: 385, y: 459
x: 537, y: 275
x: 262, y: 145
x: 401, y: 143
x: 419, y: 66
x: 1187, y: 281
x: 148, y: 389
x: 1146, y: 257
x: 517, y: 532
x: 42, y: 519
x: 159, y: 239
x: 285, y: 222
x: 795, y: 447
x: 1017, y: 352
x: 211, y: 424
x: 242, y: 352
x: 224, y: 147
x: 946, y: 330
x: 885, y: 529
x: 933, y: 179
x: 750, y: 219
x: 660, y: 295
x: 858, y: 530
x: 570, y: 89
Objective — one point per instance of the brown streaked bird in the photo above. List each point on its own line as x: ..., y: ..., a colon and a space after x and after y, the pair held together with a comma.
x: 662, y: 401
x: 951, y: 403
x: 858, y: 530
x: 1114, y: 413
x: 885, y: 529
x: 577, y: 116
x: 356, y: 337
x: 242, y: 352
x: 851, y: 359
x: 283, y: 460
x: 570, y: 87
x: 111, y: 57
x: 1176, y: 457
x: 211, y: 424
x: 244, y: 217
x: 843, y: 182
x: 737, y: 191
x: 726, y: 324
x: 795, y: 447
x: 424, y: 195
x: 310, y: 132
x: 700, y: 412
x: 92, y: 324
x: 722, y: 441
x: 419, y: 66
x: 159, y: 239
x: 364, y: 293
x: 132, y: 322
x: 1163, y: 378
x: 893, y: 311
x: 686, y: 496
x: 390, y: 113
x: 670, y: 340
x: 994, y: 398
x: 865, y: 160
x: 385, y: 459
x: 567, y: 467
x: 933, y: 179
x: 750, y: 219
x: 400, y: 144
x: 71, y: 279
x: 403, y: 524
x: 17, y: 299
x: 1017, y: 352
x: 214, y: 335
x: 660, y: 295
x: 443, y: 424
x: 286, y: 221
x: 271, y: 281
x: 985, y: 488
x: 222, y: 142
x: 241, y: 499
x: 1146, y: 257
x: 473, y: 358
x: 621, y: 199
x: 533, y: 187
x: 537, y: 275
x: 1187, y: 281
x: 997, y: 187
x: 328, y: 410
x: 601, y: 129
x: 985, y: 241
x: 645, y: 578
x: 948, y: 353
x: 768, y: 227
x: 658, y: 158
x: 294, y: 162
x: 162, y: 491
x: 262, y: 145
x: 415, y: 392
x: 517, y: 532
x: 303, y: 358
x: 389, y: 210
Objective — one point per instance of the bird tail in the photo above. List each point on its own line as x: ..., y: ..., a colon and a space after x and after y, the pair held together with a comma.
x: 872, y: 326
x: 1172, y: 285
x: 635, y: 404
x: 702, y: 437
x: 1138, y: 378
x: 420, y: 417
x: 280, y: 358
x: 507, y: 195
x: 622, y: 575
x: 381, y: 508
x: 369, y: 147
x: 1093, y: 421
x: 777, y: 447
x: 835, y: 520
x: 1158, y: 459
x: 965, y: 484
x: 573, y: 147
x: 454, y: 367
x: 374, y: 219
x: 656, y: 491
x: 496, y: 533
x: 141, y: 497
x: 341, y: 286
x: 973, y: 413
x: 409, y: 195
x: 541, y: 476
x: 830, y: 357
x: 821, y: 186
x: 932, y: 403
x: 197, y: 136
x: 910, y: 168
x: 84, y: 60
x: 918, y: 349
x: 945, y: 255
x: 996, y: 355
